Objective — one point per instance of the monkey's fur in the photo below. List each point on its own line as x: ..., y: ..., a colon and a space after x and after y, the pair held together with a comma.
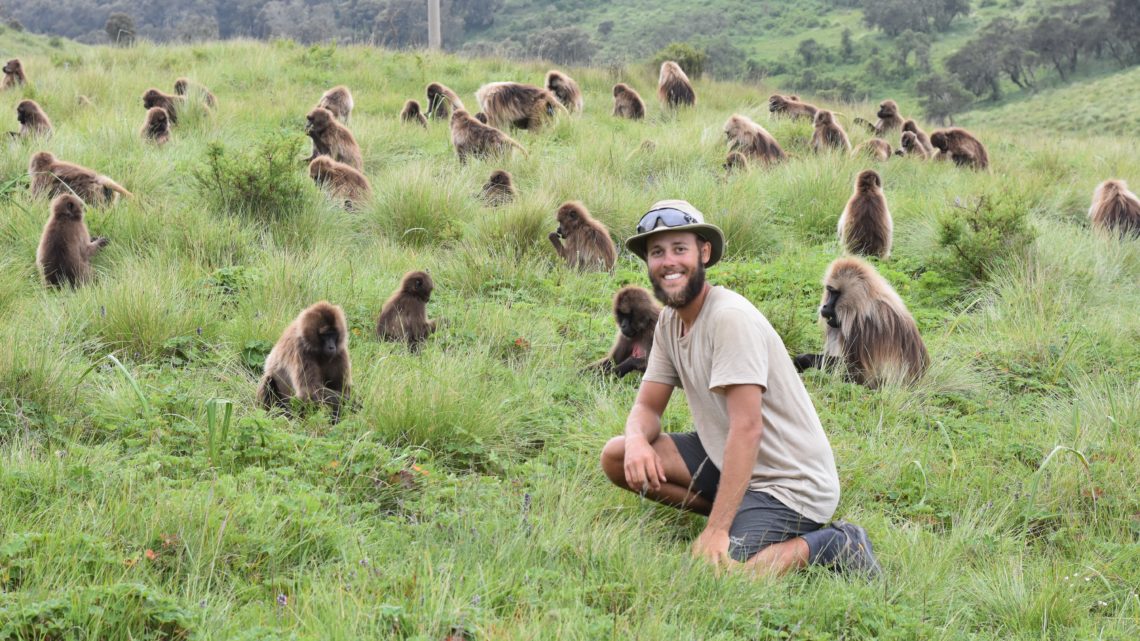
x: 13, y: 74
x: 961, y: 146
x: 338, y: 101
x: 51, y: 177
x: 910, y: 145
x: 343, y: 183
x: 1115, y: 209
x: 411, y: 113
x: 481, y: 117
x: 889, y: 119
x: 184, y: 87
x: 673, y: 87
x: 565, y: 90
x: 865, y: 226
x: 441, y: 101
x: 581, y: 241
x: 920, y: 135
x: 404, y: 315
x: 156, y: 127
x: 752, y: 140
x: 866, y: 327
x: 875, y: 149
x: 499, y: 189
x: 627, y: 102
x: 330, y: 138
x: 33, y: 121
x: 736, y: 162
x: 635, y: 313
x: 472, y: 138
x: 516, y: 104
x: 172, y: 104
x: 310, y: 362
x: 66, y: 247
x: 828, y: 133
x: 791, y: 106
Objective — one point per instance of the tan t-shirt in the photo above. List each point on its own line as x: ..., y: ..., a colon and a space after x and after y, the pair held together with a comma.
x: 731, y: 343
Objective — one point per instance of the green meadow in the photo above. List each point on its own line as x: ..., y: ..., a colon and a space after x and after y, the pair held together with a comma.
x: 143, y: 495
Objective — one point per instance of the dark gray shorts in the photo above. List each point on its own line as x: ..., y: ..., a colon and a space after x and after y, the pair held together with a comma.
x: 761, y: 520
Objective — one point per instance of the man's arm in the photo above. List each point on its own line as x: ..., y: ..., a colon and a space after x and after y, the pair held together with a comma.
x: 745, y: 427
x: 642, y: 464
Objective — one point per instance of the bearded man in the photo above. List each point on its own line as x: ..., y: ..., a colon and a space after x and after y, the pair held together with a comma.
x: 758, y: 463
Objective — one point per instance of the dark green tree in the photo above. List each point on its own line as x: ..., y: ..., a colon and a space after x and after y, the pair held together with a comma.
x: 941, y: 97
x: 120, y: 29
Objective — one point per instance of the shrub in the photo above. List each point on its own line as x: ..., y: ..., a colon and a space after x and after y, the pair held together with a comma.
x: 120, y: 29
x: 691, y: 59
x: 261, y: 181
x: 562, y: 45
x: 976, y: 239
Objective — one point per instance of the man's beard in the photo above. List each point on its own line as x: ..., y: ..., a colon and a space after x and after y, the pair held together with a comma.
x: 686, y: 295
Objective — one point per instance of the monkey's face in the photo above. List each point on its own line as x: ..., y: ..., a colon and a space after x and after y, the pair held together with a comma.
x: 569, y: 219
x: 633, y: 314
x: 888, y: 110
x: 939, y: 141
x: 22, y: 113
x: 908, y: 141
x: 822, y: 118
x: 12, y: 66
x: 318, y: 121
x: 419, y: 285
x: 329, y: 341
x: 827, y: 309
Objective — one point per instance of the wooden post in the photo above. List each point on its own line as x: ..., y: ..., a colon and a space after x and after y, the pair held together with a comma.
x: 435, y: 38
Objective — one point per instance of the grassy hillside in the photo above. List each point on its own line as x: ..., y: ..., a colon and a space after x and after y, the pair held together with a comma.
x: 465, y: 490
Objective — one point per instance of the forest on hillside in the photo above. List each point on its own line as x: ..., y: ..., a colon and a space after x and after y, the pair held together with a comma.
x: 952, y: 55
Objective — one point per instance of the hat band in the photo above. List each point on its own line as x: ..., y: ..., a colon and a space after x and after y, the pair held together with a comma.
x: 668, y: 217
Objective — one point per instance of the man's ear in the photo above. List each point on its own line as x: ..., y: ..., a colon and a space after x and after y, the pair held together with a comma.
x: 706, y: 252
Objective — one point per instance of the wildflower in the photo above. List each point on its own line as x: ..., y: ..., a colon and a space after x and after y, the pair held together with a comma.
x: 150, y: 554
x: 282, y: 600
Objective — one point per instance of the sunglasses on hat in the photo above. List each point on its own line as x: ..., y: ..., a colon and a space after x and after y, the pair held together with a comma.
x: 668, y: 217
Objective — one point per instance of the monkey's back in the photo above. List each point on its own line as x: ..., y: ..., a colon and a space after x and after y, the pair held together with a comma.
x: 60, y: 255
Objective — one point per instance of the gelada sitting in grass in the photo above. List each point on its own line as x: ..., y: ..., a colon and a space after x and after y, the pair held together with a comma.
x: 759, y: 465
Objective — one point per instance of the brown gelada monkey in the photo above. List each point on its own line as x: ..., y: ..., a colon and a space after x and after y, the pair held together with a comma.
x: 514, y: 104
x: 156, y: 128
x: 889, y: 119
x: 636, y: 315
x: 627, y: 102
x: 66, y: 247
x: 472, y: 138
x: 184, y: 87
x: 499, y: 189
x: 33, y: 121
x: 441, y: 101
x: 752, y: 140
x: 13, y: 74
x: 867, y: 328
x: 411, y: 113
x: 736, y: 162
x: 919, y: 135
x: 404, y: 315
x: 581, y: 241
x: 344, y: 183
x: 673, y: 87
x: 310, y: 362
x: 171, y: 103
x: 52, y: 177
x: 338, y: 101
x: 791, y: 106
x: 1115, y: 209
x: 565, y: 89
x: 865, y: 226
x: 961, y: 146
x: 875, y: 149
x: 828, y: 133
x: 910, y: 145
x: 330, y: 138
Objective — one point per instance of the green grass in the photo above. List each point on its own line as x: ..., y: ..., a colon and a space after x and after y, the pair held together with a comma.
x: 465, y: 489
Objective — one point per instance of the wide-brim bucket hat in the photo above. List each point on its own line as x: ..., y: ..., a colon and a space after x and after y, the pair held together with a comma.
x: 675, y: 215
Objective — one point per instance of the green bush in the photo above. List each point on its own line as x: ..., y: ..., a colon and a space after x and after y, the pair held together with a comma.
x: 977, y: 238
x: 262, y: 181
x: 691, y: 59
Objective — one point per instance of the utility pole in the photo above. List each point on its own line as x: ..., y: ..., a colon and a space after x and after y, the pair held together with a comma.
x: 435, y: 39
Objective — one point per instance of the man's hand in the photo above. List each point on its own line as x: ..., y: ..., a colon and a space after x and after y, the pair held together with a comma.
x: 712, y: 546
x: 643, y: 467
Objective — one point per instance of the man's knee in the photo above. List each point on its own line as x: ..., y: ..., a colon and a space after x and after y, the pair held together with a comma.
x: 613, y: 459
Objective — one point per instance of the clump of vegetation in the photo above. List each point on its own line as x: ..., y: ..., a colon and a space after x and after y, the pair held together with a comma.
x: 979, y: 237
x: 691, y: 59
x: 260, y: 181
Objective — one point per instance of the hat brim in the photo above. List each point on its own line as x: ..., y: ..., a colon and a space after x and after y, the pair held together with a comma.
x: 711, y: 233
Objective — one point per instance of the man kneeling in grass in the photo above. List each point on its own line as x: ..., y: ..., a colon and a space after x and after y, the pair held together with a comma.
x: 759, y: 465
